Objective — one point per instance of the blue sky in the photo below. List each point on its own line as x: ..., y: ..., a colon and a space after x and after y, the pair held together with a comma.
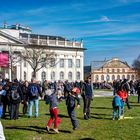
x: 109, y: 28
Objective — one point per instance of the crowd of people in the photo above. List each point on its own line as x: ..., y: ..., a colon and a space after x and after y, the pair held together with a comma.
x: 14, y: 93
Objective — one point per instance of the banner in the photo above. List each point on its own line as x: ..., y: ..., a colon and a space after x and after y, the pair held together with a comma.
x: 4, y: 60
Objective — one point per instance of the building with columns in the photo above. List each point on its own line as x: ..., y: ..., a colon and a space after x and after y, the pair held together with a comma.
x: 110, y: 70
x: 69, y: 54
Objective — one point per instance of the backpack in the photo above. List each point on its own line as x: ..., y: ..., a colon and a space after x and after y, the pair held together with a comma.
x: 33, y: 91
x: 15, y: 95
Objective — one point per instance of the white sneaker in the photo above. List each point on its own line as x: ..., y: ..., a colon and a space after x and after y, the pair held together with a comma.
x: 56, y: 130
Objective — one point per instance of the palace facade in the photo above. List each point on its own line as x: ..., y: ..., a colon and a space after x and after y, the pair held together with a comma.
x: 69, y: 54
x: 110, y: 70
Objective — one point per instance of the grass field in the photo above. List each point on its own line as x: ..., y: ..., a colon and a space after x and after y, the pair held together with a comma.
x: 99, y: 127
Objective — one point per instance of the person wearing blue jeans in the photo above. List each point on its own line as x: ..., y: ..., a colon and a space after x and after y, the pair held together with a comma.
x: 31, y: 103
x: 33, y: 93
x: 1, y: 108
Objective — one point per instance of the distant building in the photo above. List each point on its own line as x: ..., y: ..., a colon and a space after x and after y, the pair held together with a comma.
x: 69, y: 54
x: 110, y: 70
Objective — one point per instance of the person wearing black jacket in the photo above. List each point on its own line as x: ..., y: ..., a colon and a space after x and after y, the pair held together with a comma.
x: 33, y: 93
x: 16, y: 98
x: 7, y: 99
x: 25, y: 96
x: 138, y: 90
x: 126, y: 87
x: 70, y: 102
x: 88, y: 89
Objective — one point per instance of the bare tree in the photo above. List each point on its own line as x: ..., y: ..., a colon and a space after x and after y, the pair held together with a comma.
x: 13, y: 60
x: 38, y: 58
x: 136, y: 65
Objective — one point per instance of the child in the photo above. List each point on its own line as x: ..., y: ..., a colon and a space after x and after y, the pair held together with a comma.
x: 116, y: 106
x: 70, y: 102
x: 53, y: 101
x: 118, y: 103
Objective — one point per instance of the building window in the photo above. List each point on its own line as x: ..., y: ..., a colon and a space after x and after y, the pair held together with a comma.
x: 132, y: 77
x: 53, y: 75
x: 113, y: 70
x: 43, y: 76
x: 77, y: 75
x: 113, y: 77
x: 70, y: 76
x: 118, y: 70
x: 123, y: 77
x: 52, y: 62
x: 96, y: 78
x: 78, y: 63
x: 128, y: 77
x: 25, y: 64
x: 107, y: 78
x: 61, y: 63
x: 107, y: 70
x: 69, y: 63
x: 118, y: 77
x: 123, y: 70
x: 61, y: 75
x: 102, y: 77
x: 25, y: 75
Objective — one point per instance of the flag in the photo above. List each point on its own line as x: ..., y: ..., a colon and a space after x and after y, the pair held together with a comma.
x: 4, y: 60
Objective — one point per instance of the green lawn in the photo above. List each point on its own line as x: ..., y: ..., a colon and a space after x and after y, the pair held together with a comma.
x: 99, y: 127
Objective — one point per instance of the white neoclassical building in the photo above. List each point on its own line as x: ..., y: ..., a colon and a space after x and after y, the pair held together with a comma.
x: 69, y: 54
x: 110, y: 70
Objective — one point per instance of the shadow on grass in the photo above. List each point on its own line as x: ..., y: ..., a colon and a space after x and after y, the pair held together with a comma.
x: 37, y: 129
x: 63, y: 116
x: 97, y: 114
x: 87, y: 139
x: 100, y: 118
x: 101, y: 107
x: 27, y: 128
x: 135, y: 105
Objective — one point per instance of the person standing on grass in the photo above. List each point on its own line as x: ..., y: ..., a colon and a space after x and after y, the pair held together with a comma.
x: 2, y: 94
x: 25, y: 97
x: 34, y: 92
x: 70, y: 102
x: 126, y: 87
x: 16, y: 98
x: 138, y: 90
x: 52, y: 100
x: 88, y: 97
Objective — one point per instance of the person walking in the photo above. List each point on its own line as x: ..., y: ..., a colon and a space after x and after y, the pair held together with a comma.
x: 52, y: 100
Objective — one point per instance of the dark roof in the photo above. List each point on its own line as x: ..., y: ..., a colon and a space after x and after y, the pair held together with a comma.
x: 87, y: 69
x: 25, y: 35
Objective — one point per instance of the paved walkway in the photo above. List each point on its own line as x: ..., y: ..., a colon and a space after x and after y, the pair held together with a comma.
x: 103, y: 93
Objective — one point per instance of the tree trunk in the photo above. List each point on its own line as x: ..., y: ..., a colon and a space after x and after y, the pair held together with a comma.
x: 34, y: 73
